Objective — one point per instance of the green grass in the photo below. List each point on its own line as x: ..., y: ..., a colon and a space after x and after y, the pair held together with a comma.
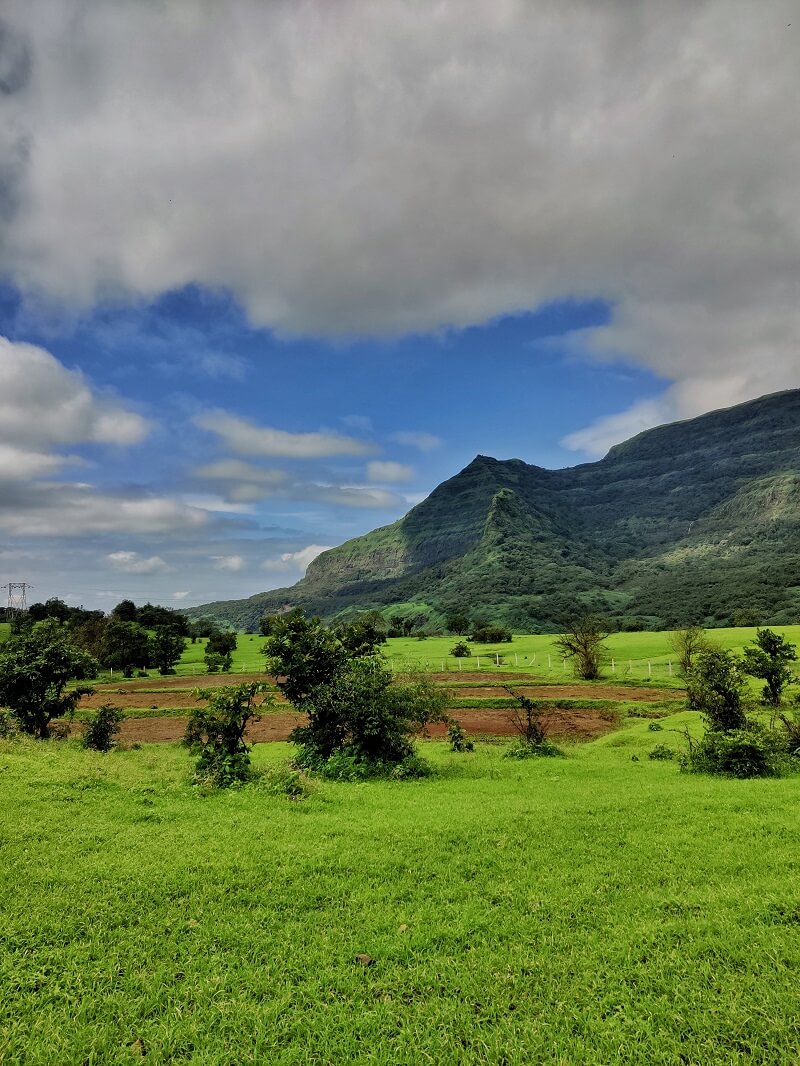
x: 590, y: 909
x: 637, y: 657
x: 5, y: 630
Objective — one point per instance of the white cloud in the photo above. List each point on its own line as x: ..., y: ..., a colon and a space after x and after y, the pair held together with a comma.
x: 43, y: 404
x: 384, y: 168
x: 232, y: 563
x: 51, y: 509
x: 423, y: 442
x: 239, y: 470
x: 247, y: 438
x: 22, y: 464
x: 389, y: 471
x: 132, y: 563
x: 295, y: 561
x: 180, y: 595
x: 360, y: 423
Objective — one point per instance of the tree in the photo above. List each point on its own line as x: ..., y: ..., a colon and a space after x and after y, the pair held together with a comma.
x: 490, y: 633
x: 687, y: 643
x: 362, y: 635
x: 125, y: 611
x: 101, y: 732
x: 769, y: 660
x: 166, y: 648
x: 219, y: 651
x: 354, y: 705
x: 582, y: 641
x: 716, y: 686
x: 216, y: 732
x: 125, y: 647
x: 302, y: 649
x: 35, y: 668
x: 457, y: 623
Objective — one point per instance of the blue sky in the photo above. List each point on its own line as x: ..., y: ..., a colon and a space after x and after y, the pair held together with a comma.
x: 244, y: 318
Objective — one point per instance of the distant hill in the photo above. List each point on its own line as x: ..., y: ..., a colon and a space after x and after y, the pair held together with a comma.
x: 697, y: 521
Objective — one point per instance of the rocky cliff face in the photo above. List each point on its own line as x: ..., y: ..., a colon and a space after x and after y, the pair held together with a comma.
x: 694, y: 521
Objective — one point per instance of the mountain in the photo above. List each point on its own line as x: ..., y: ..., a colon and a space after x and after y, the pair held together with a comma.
x: 697, y: 521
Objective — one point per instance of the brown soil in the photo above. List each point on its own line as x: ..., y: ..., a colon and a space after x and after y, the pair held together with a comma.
x: 574, y: 692
x: 575, y: 723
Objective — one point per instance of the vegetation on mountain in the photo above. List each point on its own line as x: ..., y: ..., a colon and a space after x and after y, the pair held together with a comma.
x: 694, y: 523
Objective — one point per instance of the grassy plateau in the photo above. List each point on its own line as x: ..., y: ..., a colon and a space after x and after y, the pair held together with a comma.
x: 590, y: 909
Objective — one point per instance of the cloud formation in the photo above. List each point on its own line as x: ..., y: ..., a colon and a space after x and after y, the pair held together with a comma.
x: 132, y: 563
x: 289, y: 562
x: 247, y: 438
x: 389, y: 471
x: 423, y: 442
x: 377, y: 169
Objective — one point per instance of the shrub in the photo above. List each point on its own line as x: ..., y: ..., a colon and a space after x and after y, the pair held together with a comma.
x: 215, y: 733
x: 459, y: 741
x: 488, y: 633
x: 740, y: 753
x: 460, y: 650
x: 716, y: 686
x: 526, y: 719
x: 359, y: 715
x: 101, y: 731
x: 522, y: 750
x: 661, y: 751
x: 349, y: 765
x: 286, y: 781
x: 582, y: 641
x: 769, y: 660
x: 8, y: 726
x: 654, y: 727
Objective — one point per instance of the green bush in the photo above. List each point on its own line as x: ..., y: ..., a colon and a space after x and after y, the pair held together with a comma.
x: 100, y: 732
x: 215, y: 733
x: 287, y: 781
x: 661, y: 751
x: 750, y: 752
x: 522, y: 750
x: 459, y: 741
x: 8, y: 725
x: 348, y: 764
x: 654, y: 727
x: 460, y: 650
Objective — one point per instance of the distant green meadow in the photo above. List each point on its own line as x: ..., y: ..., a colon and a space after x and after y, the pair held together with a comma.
x: 598, y: 908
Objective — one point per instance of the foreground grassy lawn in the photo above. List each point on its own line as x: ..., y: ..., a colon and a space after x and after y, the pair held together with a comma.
x: 591, y: 909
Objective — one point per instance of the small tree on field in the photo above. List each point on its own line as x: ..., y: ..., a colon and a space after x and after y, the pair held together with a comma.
x: 35, y: 668
x: 461, y: 650
x: 582, y: 642
x: 166, y: 648
x: 219, y: 651
x: 125, y: 646
x: 100, y: 733
x: 716, y: 686
x: 526, y: 718
x: 215, y: 732
x: 769, y: 660
x: 457, y: 623
x: 356, y: 709
x: 687, y: 643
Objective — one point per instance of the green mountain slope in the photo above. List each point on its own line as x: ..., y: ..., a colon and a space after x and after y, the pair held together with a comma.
x: 694, y: 521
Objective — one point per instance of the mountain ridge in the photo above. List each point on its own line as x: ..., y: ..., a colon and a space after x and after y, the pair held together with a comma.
x: 693, y: 521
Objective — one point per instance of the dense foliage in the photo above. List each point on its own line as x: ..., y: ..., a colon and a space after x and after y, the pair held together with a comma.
x: 216, y: 733
x: 361, y: 719
x: 35, y: 669
x: 768, y: 658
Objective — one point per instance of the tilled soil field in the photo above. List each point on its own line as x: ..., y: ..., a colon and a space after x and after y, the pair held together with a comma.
x: 576, y: 723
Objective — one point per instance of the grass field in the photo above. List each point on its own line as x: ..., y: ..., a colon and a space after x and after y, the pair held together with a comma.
x: 591, y: 909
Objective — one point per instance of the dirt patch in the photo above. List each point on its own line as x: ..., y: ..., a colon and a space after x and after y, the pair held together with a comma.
x: 177, y: 691
x: 576, y: 723
x: 152, y: 730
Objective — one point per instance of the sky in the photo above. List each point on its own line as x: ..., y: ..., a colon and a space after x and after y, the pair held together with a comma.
x: 270, y: 272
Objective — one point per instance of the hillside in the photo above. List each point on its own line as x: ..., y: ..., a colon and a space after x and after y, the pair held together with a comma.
x: 694, y: 521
